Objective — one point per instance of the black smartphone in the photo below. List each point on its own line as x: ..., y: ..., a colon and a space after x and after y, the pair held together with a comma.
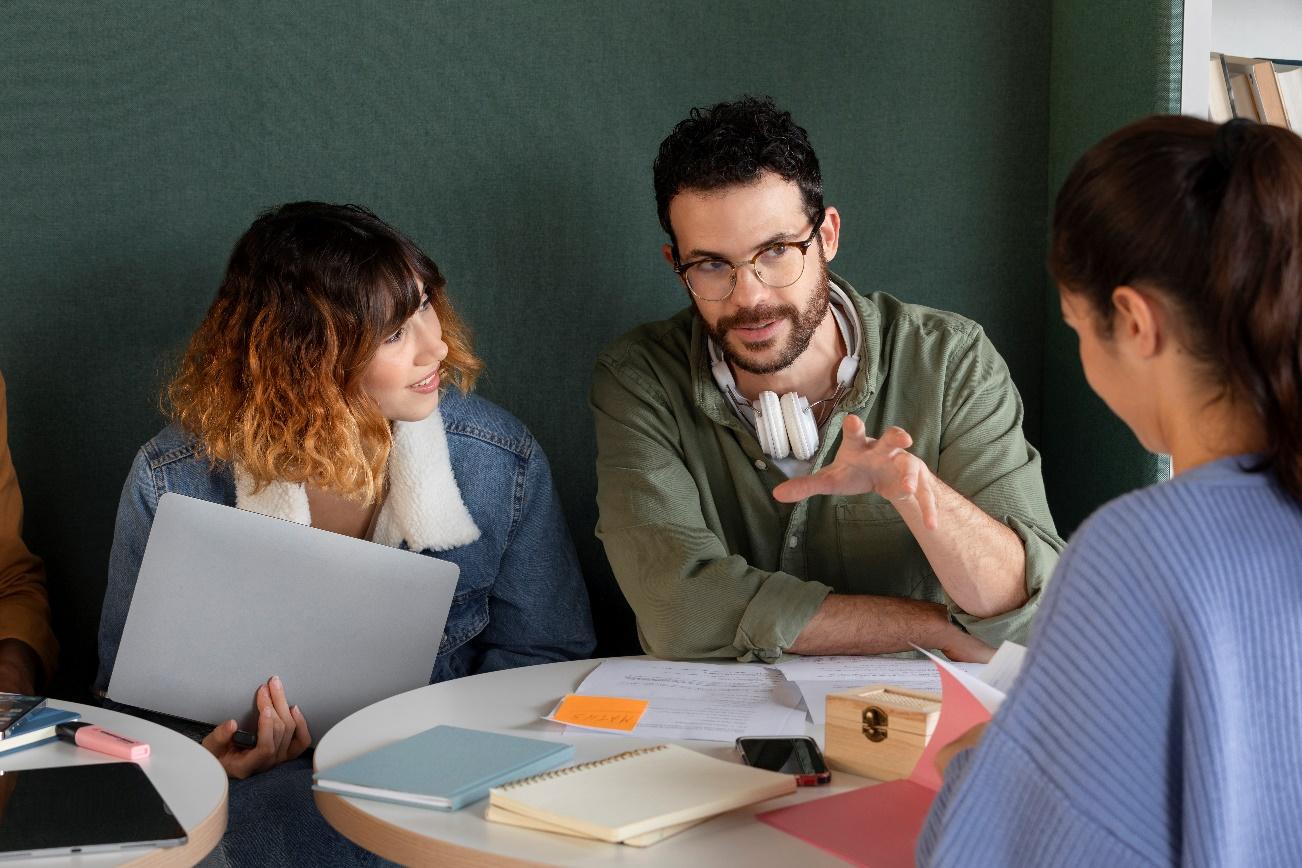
x: 792, y: 755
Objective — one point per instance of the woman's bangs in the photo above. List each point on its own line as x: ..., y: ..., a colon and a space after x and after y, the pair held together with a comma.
x: 397, y: 291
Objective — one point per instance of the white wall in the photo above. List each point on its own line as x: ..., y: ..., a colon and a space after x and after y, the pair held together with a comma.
x: 1249, y: 28
x: 1258, y: 28
x: 1194, y: 78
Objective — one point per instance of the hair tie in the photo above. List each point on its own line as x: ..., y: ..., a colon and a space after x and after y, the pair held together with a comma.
x: 1229, y: 141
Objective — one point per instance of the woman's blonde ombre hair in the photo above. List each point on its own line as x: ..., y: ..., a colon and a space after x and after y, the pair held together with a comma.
x: 272, y: 379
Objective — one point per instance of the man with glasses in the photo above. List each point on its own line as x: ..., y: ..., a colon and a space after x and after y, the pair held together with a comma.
x: 716, y: 428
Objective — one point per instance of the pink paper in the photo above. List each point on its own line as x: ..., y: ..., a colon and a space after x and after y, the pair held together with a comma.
x: 878, y: 826
x: 959, y: 712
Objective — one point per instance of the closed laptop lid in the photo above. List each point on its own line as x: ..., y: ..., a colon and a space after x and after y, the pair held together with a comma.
x: 227, y: 598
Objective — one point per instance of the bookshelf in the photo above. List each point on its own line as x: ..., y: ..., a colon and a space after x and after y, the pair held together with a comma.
x: 1248, y: 28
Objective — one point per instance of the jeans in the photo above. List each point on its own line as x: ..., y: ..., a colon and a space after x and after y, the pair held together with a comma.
x: 272, y: 820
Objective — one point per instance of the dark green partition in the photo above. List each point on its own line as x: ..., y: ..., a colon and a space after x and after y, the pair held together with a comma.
x: 513, y: 140
x: 1113, y: 62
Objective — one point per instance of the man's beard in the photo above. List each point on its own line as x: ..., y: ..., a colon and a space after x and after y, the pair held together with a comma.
x: 803, y: 325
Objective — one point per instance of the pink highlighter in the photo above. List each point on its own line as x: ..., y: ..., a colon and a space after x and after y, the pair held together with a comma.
x: 99, y: 739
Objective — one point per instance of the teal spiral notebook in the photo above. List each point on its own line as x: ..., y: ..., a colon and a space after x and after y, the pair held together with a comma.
x: 446, y: 767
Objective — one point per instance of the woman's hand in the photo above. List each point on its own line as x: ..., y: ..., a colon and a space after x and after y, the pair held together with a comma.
x: 282, y: 735
x: 971, y: 738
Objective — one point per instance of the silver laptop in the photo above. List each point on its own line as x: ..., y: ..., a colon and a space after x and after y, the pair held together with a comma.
x: 227, y: 598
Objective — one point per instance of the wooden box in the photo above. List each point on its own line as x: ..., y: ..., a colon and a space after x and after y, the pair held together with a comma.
x: 879, y: 731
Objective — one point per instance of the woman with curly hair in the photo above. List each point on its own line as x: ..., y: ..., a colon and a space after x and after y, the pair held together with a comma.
x: 315, y: 390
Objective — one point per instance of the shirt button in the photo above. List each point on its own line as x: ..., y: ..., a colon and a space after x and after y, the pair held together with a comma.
x: 760, y: 465
x: 793, y: 542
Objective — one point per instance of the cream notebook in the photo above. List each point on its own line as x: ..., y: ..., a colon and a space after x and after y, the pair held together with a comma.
x: 638, y: 797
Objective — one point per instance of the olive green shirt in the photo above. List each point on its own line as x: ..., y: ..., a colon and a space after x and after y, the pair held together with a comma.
x: 713, y: 566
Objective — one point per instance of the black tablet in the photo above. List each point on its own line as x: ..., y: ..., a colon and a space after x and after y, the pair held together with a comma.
x: 82, y: 809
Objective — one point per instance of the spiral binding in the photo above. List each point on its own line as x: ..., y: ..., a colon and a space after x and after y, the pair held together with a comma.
x: 557, y: 773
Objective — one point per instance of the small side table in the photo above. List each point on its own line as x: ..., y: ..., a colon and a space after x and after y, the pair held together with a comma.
x: 189, y: 779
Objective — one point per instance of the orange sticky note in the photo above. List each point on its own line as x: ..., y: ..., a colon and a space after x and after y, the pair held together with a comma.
x: 599, y: 712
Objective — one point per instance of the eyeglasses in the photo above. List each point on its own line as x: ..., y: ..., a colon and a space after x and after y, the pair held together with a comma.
x: 776, y: 265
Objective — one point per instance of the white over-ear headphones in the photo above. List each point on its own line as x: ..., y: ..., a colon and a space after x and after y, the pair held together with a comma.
x: 786, y: 425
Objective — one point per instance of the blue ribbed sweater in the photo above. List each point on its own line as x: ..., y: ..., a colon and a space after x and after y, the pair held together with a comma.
x: 1158, y: 719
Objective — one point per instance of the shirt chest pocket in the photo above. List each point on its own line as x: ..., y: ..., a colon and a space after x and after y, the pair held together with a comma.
x: 879, y: 554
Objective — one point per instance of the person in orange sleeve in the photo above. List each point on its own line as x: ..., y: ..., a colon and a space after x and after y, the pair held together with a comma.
x: 28, y: 649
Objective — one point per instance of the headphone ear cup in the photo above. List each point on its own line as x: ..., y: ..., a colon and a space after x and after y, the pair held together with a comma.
x: 846, y: 370
x: 801, y: 427
x: 769, y: 426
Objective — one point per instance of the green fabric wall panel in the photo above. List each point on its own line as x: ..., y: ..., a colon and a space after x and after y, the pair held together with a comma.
x: 1113, y: 62
x: 513, y: 140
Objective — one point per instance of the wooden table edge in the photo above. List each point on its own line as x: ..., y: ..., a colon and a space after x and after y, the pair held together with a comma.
x: 403, y: 845
x: 203, y: 839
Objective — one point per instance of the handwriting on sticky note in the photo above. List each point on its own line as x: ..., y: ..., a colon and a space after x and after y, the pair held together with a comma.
x: 600, y: 712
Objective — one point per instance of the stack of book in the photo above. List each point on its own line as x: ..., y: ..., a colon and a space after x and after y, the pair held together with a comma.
x: 636, y: 798
x: 1268, y: 91
x: 36, y: 727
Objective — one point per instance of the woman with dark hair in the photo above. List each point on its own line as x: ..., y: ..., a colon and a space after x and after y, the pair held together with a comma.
x: 1159, y: 717
x: 315, y: 391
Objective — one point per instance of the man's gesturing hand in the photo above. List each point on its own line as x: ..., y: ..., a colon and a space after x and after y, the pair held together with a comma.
x: 864, y: 464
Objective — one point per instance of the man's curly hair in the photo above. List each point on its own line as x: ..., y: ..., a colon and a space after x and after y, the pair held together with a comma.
x: 735, y: 143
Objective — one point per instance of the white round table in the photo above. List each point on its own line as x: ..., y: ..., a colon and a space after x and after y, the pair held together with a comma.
x: 513, y: 701
x: 188, y: 778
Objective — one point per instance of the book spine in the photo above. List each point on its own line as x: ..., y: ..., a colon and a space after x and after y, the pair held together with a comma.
x: 9, y: 750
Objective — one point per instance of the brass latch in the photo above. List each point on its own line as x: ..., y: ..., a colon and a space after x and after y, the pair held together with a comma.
x: 874, y: 724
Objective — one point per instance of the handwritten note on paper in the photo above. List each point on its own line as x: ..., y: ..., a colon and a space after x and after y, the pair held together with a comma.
x: 599, y: 712
x: 916, y: 674
x: 707, y: 701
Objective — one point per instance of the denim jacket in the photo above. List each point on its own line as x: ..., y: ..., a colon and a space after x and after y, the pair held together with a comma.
x: 520, y: 598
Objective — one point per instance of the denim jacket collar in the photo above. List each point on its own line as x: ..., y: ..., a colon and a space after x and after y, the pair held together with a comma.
x: 423, y: 508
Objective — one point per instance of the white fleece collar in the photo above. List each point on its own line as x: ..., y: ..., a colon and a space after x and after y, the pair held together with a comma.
x: 424, y: 506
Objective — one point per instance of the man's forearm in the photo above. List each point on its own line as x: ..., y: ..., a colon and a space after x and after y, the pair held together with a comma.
x: 860, y: 624
x: 980, y: 561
